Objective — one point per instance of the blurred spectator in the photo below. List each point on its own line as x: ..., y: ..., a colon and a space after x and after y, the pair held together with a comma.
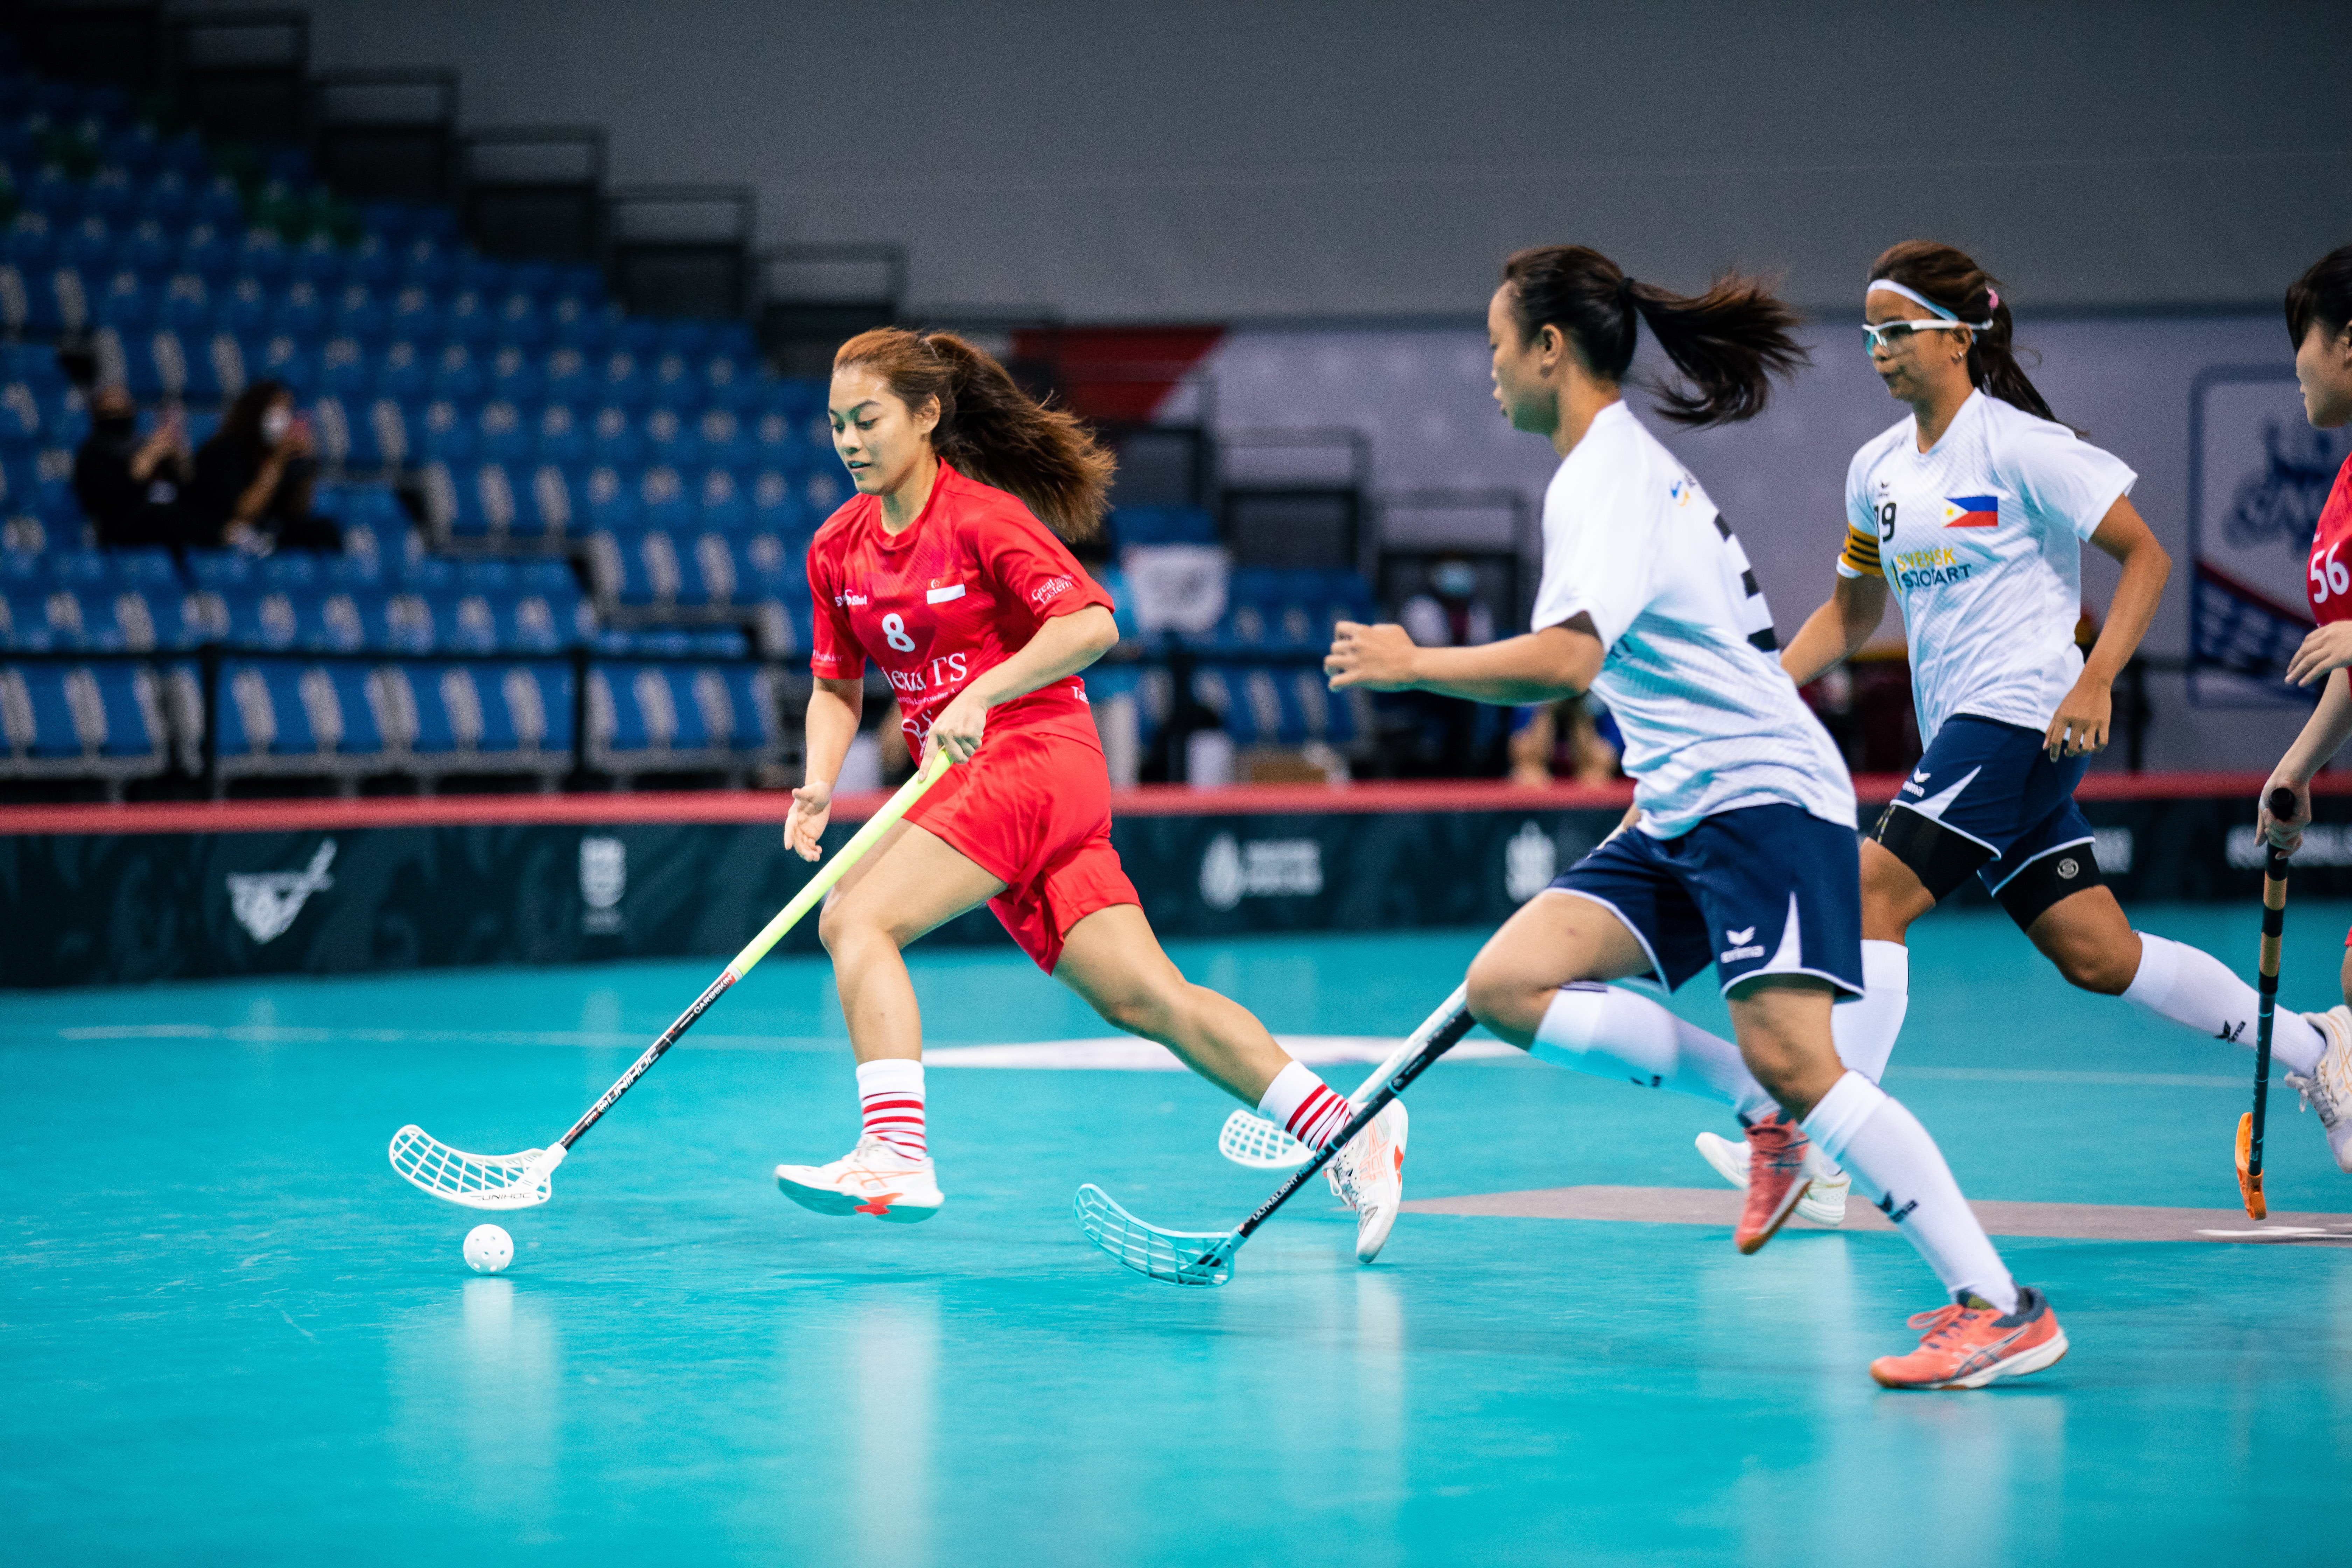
x: 1540, y: 735
x: 131, y: 490
x: 1445, y: 736
x: 253, y: 480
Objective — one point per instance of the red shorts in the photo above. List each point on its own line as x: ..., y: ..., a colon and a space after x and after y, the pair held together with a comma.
x: 1032, y: 809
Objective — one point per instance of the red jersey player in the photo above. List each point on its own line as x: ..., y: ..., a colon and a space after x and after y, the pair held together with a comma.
x: 2319, y: 324
x: 940, y: 572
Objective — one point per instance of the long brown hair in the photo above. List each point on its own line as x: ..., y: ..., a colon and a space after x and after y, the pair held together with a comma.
x: 1728, y: 343
x: 1949, y: 278
x: 990, y: 429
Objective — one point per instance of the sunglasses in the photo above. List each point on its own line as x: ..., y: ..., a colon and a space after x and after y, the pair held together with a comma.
x: 1892, y: 335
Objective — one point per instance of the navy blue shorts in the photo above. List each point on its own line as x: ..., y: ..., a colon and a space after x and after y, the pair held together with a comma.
x: 1987, y: 801
x: 1766, y: 890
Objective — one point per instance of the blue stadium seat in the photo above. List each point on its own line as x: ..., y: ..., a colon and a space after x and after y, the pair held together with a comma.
x: 721, y: 502
x: 98, y: 714
x: 617, y: 440
x: 562, y: 437
x: 515, y: 376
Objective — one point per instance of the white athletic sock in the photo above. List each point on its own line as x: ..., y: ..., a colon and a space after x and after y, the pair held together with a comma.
x: 1865, y: 1030
x: 1302, y: 1105
x: 890, y: 1099
x: 1611, y: 1032
x: 2191, y: 986
x: 1897, y: 1166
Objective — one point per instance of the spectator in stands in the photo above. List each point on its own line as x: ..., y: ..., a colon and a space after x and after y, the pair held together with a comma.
x: 253, y: 480
x: 129, y: 489
x: 1446, y: 737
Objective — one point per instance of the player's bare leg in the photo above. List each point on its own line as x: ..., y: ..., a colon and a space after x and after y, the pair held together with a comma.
x: 1114, y: 960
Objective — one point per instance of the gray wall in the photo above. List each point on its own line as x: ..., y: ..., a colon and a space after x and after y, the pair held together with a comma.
x: 1221, y: 160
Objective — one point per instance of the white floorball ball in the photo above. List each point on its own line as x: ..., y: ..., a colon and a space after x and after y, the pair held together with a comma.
x: 489, y: 1250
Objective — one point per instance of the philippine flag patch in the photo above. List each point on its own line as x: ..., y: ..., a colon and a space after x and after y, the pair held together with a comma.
x: 1971, y: 511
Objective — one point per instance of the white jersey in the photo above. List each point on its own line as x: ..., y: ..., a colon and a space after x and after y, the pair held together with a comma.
x: 1981, y: 539
x: 1711, y: 722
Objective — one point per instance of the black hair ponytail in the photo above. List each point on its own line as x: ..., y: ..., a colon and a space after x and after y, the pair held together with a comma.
x: 1951, y: 280
x: 1727, y: 344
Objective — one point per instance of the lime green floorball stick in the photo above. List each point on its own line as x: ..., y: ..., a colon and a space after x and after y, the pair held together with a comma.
x: 520, y: 1180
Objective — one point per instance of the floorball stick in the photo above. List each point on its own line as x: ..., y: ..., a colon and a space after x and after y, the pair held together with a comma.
x: 1247, y: 1138
x: 2250, y: 1124
x: 521, y: 1179
x: 1206, y: 1258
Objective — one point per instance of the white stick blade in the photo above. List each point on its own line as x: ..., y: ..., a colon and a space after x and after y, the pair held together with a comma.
x: 477, y: 1180
x: 1254, y: 1141
x: 1174, y: 1257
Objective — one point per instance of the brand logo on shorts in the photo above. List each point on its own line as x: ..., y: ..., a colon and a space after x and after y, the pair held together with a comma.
x: 1743, y: 945
x: 2069, y: 869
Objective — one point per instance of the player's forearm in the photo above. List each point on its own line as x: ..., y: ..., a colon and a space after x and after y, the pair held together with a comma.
x: 835, y: 707
x: 2323, y: 734
x: 1515, y: 671
x: 1836, y: 632
x: 1063, y: 646
x: 2128, y: 618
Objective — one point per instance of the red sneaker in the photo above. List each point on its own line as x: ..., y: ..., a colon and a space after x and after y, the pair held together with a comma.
x: 1777, y: 1179
x: 1968, y: 1347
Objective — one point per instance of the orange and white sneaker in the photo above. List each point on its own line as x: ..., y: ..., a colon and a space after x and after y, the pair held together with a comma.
x: 2327, y: 1088
x: 1369, y: 1173
x: 1779, y: 1175
x: 1968, y: 1347
x: 872, y: 1178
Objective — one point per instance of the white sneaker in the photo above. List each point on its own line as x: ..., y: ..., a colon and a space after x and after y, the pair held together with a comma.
x: 1369, y: 1173
x: 2329, y: 1088
x: 1824, y: 1199
x: 873, y: 1178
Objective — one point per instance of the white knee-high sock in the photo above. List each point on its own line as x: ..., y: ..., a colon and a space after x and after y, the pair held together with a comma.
x: 1865, y: 1030
x: 1610, y: 1032
x: 2191, y: 986
x: 1302, y: 1105
x: 1898, y: 1167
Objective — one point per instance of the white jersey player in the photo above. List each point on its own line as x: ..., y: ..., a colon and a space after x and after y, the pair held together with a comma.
x: 1970, y: 514
x: 1743, y: 855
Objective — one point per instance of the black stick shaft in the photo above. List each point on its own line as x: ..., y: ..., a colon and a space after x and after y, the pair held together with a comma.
x: 652, y: 1054
x: 2266, y: 979
x: 1447, y: 1036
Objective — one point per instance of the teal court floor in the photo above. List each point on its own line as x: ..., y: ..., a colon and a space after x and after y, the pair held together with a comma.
x: 229, y: 1333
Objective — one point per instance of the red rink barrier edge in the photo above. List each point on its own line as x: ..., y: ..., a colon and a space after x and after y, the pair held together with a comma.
x: 1150, y: 800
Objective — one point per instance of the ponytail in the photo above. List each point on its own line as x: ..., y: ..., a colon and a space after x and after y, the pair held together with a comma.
x: 1727, y: 343
x: 2321, y: 297
x: 1951, y: 280
x: 990, y: 429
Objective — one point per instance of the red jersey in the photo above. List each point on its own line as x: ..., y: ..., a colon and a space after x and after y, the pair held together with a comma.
x: 2329, y: 581
x: 959, y: 591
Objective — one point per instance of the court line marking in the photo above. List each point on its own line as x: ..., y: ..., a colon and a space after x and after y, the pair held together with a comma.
x: 1113, y: 1053
x: 1719, y: 1207
x: 1119, y: 1053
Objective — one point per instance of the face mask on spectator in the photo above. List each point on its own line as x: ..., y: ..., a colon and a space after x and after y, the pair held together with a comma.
x: 275, y: 423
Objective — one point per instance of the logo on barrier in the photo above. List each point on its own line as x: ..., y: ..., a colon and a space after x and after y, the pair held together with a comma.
x: 603, y: 878
x: 1530, y: 860
x: 1267, y: 868
x: 266, y: 902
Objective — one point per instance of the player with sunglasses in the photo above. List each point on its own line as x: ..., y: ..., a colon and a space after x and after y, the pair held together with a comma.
x: 1970, y: 514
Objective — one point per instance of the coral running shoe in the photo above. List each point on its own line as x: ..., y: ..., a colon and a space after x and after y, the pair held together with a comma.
x: 872, y: 1178
x: 1825, y: 1195
x: 2327, y: 1088
x: 1778, y: 1176
x: 1369, y: 1173
x: 1968, y: 1347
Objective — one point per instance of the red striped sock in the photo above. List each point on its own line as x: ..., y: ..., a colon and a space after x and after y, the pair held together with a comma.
x: 1303, y: 1106
x: 890, y: 1097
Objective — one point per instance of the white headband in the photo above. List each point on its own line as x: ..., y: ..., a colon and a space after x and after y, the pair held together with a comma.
x: 1917, y: 298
